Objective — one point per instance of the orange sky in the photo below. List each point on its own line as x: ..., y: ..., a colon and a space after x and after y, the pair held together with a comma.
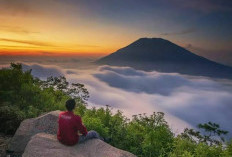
x: 42, y: 30
x: 31, y: 35
x: 51, y: 27
x: 57, y: 27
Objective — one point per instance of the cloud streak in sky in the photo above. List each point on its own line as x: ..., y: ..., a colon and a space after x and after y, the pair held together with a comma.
x: 205, y: 6
x: 24, y: 7
x: 187, y: 31
x: 16, y: 29
x: 28, y: 42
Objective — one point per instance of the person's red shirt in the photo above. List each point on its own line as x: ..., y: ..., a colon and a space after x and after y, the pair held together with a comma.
x: 69, y: 125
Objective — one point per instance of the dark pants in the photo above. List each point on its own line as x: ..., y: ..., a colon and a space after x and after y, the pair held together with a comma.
x: 90, y: 135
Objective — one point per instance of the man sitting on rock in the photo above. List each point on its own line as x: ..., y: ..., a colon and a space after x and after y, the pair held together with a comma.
x: 70, y: 125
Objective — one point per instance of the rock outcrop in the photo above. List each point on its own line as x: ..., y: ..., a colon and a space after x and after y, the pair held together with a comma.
x: 46, y: 145
x: 36, y: 137
x: 4, y: 141
x: 46, y: 123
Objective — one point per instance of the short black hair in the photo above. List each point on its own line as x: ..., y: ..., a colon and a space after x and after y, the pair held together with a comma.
x: 70, y: 104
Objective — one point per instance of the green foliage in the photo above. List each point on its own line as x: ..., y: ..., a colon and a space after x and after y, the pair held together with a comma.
x: 185, y: 147
x: 143, y: 135
x: 23, y: 96
x: 212, y: 134
x: 10, y: 117
x: 204, y: 150
x: 228, y: 151
x: 182, y: 146
x: 95, y: 124
x: 151, y: 133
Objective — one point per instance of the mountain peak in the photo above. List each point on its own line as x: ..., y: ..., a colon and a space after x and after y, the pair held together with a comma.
x: 162, y: 55
x: 150, y: 45
x: 145, y: 39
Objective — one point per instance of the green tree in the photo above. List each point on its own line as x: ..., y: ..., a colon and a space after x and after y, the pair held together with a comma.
x: 23, y: 96
x: 210, y: 134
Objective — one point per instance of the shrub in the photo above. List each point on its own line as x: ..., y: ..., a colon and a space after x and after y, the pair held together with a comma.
x: 23, y: 96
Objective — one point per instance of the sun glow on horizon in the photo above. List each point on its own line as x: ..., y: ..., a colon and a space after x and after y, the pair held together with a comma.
x: 42, y: 29
x: 76, y: 27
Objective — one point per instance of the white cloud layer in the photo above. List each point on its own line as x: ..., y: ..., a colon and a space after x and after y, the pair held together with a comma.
x: 186, y: 100
x: 192, y: 99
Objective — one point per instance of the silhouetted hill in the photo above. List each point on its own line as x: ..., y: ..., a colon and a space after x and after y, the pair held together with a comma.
x: 162, y: 55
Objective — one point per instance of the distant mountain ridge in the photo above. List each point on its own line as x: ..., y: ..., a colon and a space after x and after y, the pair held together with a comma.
x: 162, y: 55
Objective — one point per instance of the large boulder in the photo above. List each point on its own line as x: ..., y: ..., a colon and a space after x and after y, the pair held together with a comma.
x: 36, y: 137
x: 46, y: 145
x: 46, y: 123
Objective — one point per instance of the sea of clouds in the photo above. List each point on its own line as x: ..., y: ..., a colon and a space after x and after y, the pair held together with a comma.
x: 186, y: 100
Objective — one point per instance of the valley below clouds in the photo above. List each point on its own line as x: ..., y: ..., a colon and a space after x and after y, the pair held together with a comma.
x: 185, y: 100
